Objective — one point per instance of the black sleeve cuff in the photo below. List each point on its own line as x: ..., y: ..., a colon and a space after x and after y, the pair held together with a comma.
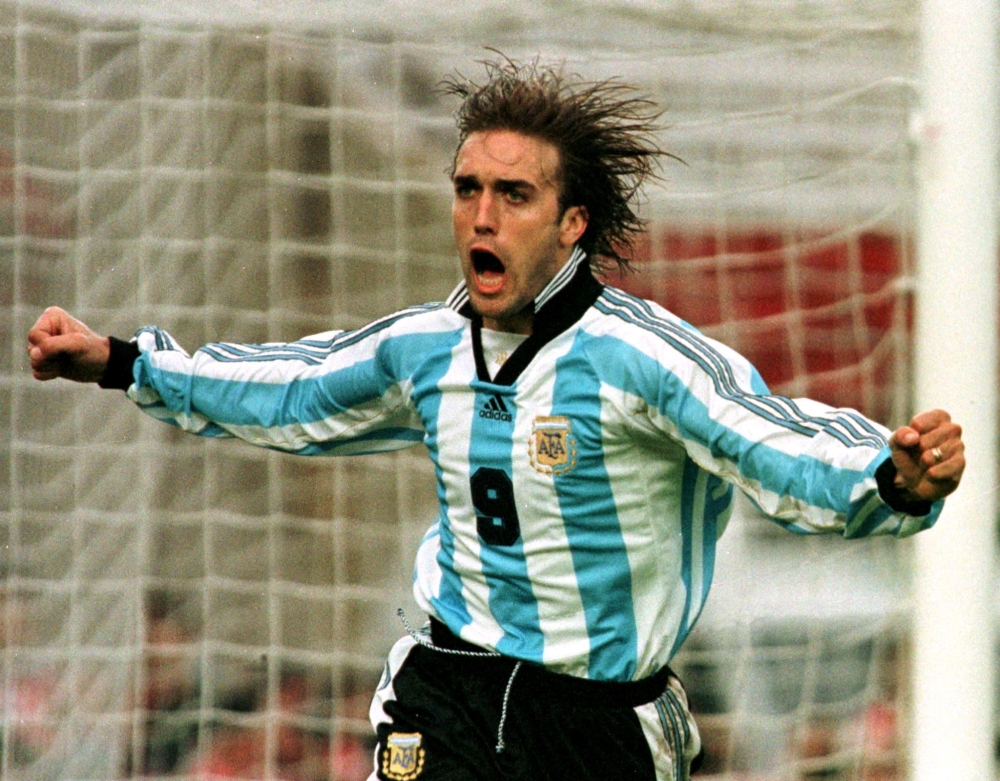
x: 895, y: 497
x: 118, y: 372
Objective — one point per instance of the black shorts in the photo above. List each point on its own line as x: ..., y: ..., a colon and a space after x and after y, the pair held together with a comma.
x: 441, y: 714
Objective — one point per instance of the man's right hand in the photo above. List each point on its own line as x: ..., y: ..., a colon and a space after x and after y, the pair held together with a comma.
x: 59, y: 345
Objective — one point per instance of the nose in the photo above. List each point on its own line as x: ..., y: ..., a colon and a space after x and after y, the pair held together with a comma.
x: 486, y: 213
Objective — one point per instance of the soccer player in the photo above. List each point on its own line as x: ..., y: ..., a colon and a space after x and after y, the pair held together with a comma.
x: 586, y: 445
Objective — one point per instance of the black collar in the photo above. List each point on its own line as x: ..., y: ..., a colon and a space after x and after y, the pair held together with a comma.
x: 557, y: 314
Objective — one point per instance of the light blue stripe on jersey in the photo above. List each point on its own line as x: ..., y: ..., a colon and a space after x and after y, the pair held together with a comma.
x: 850, y: 428
x: 512, y: 600
x: 378, y: 441
x: 277, y: 404
x: 593, y: 529
x: 705, y: 499
x: 822, y: 485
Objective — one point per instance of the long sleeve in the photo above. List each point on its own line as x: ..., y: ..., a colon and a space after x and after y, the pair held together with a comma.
x: 334, y: 393
x: 810, y: 467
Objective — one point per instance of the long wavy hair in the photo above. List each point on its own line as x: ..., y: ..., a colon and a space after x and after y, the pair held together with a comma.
x: 604, y: 132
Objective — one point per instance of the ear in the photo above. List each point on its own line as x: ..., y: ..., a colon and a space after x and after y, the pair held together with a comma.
x: 573, y: 225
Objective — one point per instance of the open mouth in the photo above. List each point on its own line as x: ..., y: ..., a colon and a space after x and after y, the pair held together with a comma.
x: 485, y: 262
x: 488, y: 268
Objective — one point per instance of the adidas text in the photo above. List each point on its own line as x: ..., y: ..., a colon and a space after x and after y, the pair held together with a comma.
x: 495, y: 409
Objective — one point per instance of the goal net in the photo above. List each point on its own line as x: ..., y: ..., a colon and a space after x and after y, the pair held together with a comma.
x: 259, y: 171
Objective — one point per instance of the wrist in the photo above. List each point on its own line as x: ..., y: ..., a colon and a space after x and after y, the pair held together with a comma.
x: 121, y: 357
x: 899, y: 498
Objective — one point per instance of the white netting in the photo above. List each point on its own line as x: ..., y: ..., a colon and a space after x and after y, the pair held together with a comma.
x: 251, y: 171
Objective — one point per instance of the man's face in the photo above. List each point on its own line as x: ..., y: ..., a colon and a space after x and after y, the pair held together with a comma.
x: 511, y: 236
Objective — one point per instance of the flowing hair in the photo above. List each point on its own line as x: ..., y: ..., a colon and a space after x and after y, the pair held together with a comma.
x: 604, y: 132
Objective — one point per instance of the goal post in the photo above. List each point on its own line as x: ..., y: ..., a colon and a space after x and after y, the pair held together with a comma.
x: 955, y: 349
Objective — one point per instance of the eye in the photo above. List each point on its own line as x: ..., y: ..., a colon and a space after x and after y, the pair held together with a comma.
x: 464, y: 188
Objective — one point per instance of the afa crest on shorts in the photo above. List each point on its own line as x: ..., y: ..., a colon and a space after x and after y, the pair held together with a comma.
x: 552, y: 447
x: 403, y: 756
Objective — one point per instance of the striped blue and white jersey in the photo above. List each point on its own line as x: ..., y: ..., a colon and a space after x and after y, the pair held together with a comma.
x: 582, y: 487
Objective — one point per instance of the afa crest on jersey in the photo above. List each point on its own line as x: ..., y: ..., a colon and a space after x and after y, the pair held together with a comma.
x: 552, y: 447
x: 403, y: 756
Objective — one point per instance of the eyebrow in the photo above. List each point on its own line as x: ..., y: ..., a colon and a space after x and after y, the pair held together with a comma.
x: 501, y: 185
x: 510, y: 185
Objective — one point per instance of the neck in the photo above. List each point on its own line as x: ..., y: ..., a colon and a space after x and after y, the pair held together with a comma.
x: 521, y: 323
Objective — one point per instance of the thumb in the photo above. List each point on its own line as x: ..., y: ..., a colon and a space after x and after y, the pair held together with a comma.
x: 904, y: 438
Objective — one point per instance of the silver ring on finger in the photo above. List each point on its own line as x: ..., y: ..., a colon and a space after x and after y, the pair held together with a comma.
x: 938, y: 455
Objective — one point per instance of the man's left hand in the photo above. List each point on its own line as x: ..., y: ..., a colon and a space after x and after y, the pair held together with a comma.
x: 929, y: 456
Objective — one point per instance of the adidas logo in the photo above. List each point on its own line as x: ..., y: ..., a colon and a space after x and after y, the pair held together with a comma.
x: 495, y: 409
